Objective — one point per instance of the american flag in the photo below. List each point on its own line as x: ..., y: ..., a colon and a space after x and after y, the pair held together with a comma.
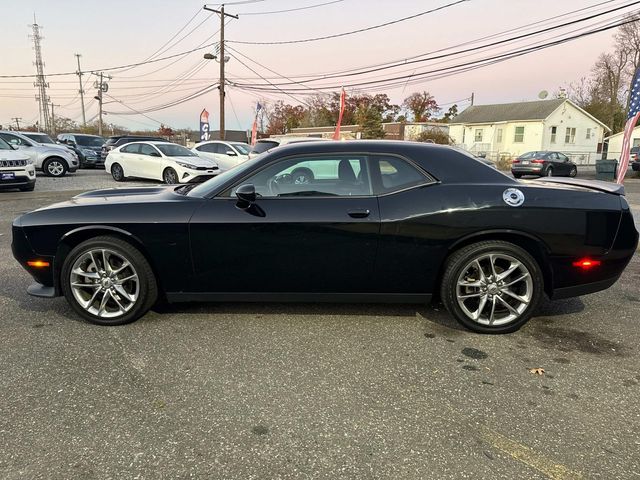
x: 254, y: 129
x: 632, y: 120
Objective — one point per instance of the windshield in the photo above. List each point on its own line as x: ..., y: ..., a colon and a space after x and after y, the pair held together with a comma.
x: 39, y: 137
x: 173, y: 150
x: 261, y: 147
x: 528, y: 155
x: 209, y: 186
x: 89, y: 140
x: 4, y: 145
x: 243, y: 148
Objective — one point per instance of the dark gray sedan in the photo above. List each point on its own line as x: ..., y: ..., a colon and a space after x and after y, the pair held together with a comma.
x: 543, y: 164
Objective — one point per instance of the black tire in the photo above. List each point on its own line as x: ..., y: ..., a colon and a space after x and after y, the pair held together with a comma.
x: 517, y: 175
x: 117, y: 172
x: 549, y: 172
x: 55, y: 167
x: 169, y: 176
x: 573, y: 172
x: 28, y: 188
x: 455, y: 267
x: 148, y: 289
x: 302, y: 176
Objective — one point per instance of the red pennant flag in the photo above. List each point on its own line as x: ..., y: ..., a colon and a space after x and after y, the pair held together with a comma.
x: 336, y: 134
x: 254, y: 129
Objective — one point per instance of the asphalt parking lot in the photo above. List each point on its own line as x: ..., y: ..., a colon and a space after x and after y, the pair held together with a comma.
x: 253, y: 391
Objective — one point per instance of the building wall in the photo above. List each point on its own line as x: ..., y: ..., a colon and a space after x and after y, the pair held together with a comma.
x: 568, y: 116
x: 615, y: 143
x: 498, y: 137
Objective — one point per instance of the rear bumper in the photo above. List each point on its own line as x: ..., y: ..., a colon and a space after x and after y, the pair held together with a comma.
x: 584, y: 289
x: 527, y: 170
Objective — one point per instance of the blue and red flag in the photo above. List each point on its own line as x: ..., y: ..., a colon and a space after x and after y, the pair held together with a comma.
x: 632, y: 121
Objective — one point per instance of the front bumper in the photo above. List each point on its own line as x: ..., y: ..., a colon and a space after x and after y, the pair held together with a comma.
x: 23, y: 253
x: 21, y: 178
x: 196, y: 176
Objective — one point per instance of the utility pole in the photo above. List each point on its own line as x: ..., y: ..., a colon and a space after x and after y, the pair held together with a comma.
x: 40, y: 82
x: 81, y: 91
x: 472, y: 98
x: 17, y: 120
x: 222, y: 62
x: 53, y: 119
x: 102, y: 87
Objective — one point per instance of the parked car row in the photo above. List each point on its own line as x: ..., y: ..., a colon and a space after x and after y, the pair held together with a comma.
x: 52, y: 159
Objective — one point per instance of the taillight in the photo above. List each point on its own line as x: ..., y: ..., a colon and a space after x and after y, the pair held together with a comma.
x: 587, y: 263
x: 516, y: 161
x: 537, y: 160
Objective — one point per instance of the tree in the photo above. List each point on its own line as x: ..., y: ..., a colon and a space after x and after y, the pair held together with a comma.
x: 284, y: 117
x: 421, y: 105
x: 434, y: 135
x: 165, y: 131
x: 370, y: 121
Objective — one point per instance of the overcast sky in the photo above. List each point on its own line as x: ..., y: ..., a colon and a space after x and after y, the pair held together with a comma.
x: 111, y: 33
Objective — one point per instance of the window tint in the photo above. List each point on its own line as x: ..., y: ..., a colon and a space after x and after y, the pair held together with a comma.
x: 396, y: 174
x: 261, y: 147
x: 207, y: 147
x: 131, y: 148
x: 147, y: 149
x: 338, y: 175
x: 4, y: 145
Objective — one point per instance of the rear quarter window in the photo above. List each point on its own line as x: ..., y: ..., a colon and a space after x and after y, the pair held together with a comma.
x: 397, y: 174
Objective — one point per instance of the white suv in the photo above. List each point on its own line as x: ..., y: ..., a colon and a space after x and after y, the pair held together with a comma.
x: 16, y: 169
x: 53, y: 160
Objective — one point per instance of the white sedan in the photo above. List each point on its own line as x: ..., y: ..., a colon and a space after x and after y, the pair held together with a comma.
x: 226, y: 154
x: 164, y: 161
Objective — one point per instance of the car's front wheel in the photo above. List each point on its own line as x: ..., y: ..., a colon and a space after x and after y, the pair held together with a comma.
x: 549, y: 172
x: 107, y: 281
x: 169, y: 176
x: 492, y: 286
x: 55, y: 167
x: 573, y: 172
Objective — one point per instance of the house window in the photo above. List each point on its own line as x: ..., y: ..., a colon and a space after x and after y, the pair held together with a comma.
x: 519, y: 136
x: 588, y: 134
x: 499, y: 136
x: 570, y: 135
x: 554, y: 132
x: 478, y: 136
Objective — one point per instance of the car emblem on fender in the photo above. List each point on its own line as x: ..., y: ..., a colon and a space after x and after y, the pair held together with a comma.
x: 513, y: 197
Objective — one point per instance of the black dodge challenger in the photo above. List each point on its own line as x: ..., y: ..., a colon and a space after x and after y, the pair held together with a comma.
x: 361, y: 221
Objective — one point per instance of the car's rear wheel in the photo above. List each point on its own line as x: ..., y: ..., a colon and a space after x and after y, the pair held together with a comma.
x: 517, y: 175
x: 549, y: 172
x: 492, y: 286
x: 117, y: 172
x: 573, y: 172
x: 107, y: 281
x: 55, y: 167
x: 169, y: 176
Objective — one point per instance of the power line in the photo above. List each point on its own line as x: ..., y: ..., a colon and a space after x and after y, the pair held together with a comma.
x: 455, y: 68
x: 352, y: 32
x: 470, y: 49
x: 292, y: 9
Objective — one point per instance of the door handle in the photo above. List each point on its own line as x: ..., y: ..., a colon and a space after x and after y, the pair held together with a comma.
x: 359, y: 213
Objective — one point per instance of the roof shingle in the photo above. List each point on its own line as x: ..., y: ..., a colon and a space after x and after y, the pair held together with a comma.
x: 507, y: 112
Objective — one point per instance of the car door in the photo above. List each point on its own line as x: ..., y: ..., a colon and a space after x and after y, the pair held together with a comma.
x: 318, y: 237
x: 565, y: 164
x: 226, y: 157
x: 208, y: 151
x: 151, y: 162
x: 127, y: 157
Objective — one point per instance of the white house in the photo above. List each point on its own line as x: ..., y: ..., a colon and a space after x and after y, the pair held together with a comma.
x: 511, y: 129
x: 615, y: 142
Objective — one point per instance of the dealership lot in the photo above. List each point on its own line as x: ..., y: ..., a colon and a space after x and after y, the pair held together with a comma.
x: 313, y: 391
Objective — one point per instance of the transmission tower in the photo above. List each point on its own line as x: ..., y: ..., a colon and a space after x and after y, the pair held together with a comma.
x: 40, y: 82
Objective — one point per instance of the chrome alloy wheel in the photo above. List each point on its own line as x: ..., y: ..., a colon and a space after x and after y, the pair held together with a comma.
x: 55, y: 168
x: 494, y: 289
x: 104, y: 283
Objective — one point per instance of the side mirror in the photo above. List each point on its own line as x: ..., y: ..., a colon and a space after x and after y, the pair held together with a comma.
x: 154, y: 154
x: 231, y: 153
x: 246, y: 195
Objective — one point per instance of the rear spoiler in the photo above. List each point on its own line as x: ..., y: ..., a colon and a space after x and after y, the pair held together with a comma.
x: 607, y: 187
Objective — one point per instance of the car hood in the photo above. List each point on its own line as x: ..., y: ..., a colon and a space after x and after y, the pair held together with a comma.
x: 197, y: 161
x: 13, y: 155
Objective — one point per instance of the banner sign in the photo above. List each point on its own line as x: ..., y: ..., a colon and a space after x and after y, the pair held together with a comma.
x: 204, y: 125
